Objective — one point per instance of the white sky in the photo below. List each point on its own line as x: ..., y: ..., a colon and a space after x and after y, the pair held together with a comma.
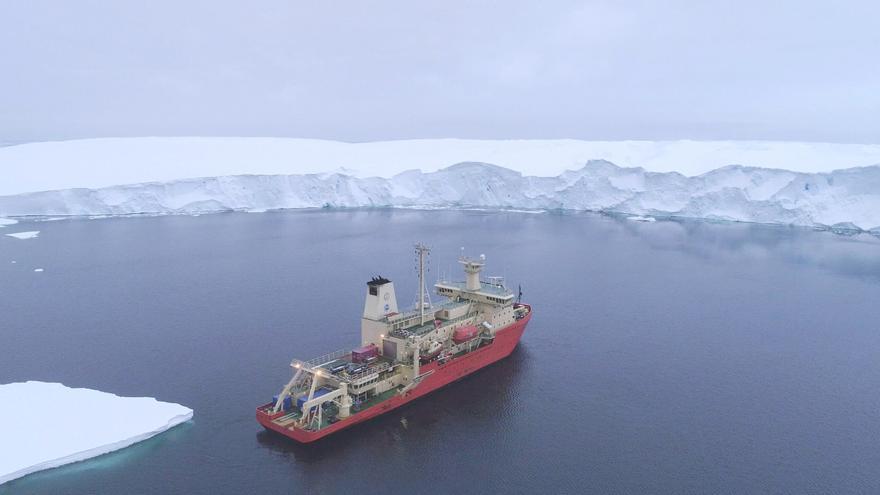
x: 363, y: 71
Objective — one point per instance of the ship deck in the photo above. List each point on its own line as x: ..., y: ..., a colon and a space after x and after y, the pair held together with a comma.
x: 290, y: 418
x: 423, y: 329
x: 485, y: 288
x: 428, y: 326
x: 347, y: 370
x: 375, y: 400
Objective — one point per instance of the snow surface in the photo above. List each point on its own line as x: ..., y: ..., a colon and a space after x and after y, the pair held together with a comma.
x: 46, y: 425
x: 97, y: 163
x: 25, y: 235
x: 734, y: 193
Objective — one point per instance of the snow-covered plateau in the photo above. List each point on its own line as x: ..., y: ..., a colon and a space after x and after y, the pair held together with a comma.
x: 783, y: 183
x: 46, y: 425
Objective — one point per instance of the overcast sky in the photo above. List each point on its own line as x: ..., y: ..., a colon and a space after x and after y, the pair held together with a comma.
x: 363, y: 71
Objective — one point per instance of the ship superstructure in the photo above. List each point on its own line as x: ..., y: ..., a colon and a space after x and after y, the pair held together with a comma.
x: 402, y: 355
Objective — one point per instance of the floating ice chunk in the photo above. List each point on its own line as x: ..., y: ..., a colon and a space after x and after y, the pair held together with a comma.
x: 37, y: 435
x: 7, y: 221
x: 638, y: 218
x: 38, y: 269
x: 25, y: 235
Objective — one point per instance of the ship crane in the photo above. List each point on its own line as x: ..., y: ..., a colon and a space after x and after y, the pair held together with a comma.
x: 306, y: 377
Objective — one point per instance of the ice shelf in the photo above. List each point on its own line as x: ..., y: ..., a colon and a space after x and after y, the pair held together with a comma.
x: 804, y: 184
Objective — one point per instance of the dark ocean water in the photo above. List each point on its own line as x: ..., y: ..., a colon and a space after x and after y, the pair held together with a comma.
x: 662, y: 358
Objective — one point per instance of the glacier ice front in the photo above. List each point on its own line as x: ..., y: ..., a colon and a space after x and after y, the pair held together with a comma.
x: 93, y: 423
x: 211, y: 175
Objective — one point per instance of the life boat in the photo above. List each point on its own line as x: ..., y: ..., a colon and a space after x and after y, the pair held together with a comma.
x: 464, y: 334
x: 433, y: 351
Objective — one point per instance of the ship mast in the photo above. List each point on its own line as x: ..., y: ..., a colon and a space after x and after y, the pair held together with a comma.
x: 422, y: 251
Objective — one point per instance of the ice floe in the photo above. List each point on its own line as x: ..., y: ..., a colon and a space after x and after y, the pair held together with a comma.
x: 25, y: 235
x: 46, y: 425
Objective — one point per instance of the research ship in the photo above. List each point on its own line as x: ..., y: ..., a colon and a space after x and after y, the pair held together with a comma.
x: 402, y: 355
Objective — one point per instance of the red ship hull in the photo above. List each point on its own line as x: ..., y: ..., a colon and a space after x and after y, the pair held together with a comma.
x: 505, y: 342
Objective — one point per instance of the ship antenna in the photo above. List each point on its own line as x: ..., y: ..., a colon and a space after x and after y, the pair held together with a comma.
x: 519, y: 295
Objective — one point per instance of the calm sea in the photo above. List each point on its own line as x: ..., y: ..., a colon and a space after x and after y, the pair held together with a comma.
x: 670, y: 357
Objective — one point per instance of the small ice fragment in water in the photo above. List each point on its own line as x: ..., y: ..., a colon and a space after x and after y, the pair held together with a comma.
x: 7, y: 221
x: 638, y: 218
x: 25, y: 235
x: 38, y: 269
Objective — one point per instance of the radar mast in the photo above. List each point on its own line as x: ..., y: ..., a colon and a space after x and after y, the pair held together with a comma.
x: 422, y: 252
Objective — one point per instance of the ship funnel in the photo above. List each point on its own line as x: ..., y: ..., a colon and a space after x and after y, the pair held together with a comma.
x: 380, y: 299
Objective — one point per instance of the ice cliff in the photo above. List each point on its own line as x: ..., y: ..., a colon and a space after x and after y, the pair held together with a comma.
x: 812, y: 184
x: 844, y: 198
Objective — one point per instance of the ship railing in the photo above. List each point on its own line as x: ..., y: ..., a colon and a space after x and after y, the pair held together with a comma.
x: 344, y: 376
x: 414, y: 313
x: 327, y: 358
x: 499, y: 288
x: 372, y: 370
x: 403, y: 333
